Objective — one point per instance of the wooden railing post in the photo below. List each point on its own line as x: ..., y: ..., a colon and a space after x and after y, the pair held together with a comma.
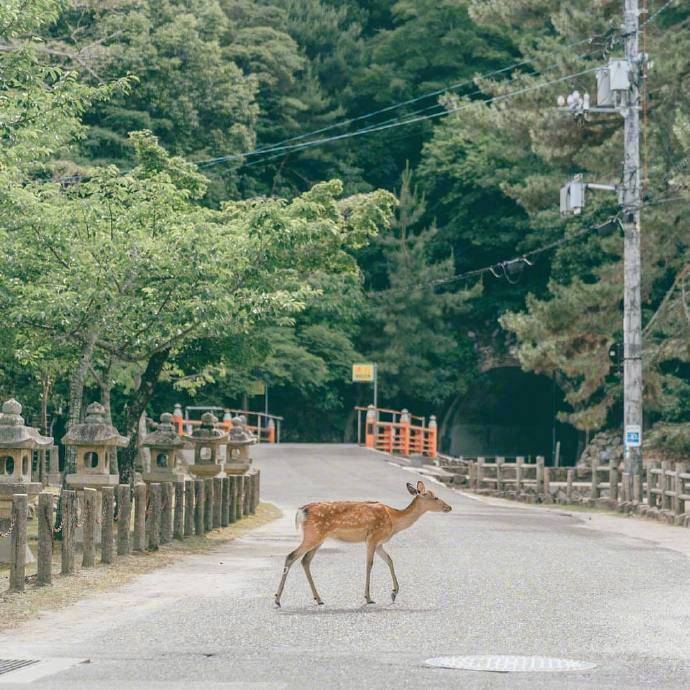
x: 153, y: 517
x: 540, y: 474
x: 239, y: 505
x: 139, y: 517
x: 20, y: 511
x: 217, y: 501
x: 678, y: 503
x: 271, y: 431
x: 232, y: 516
x: 188, y: 508
x: 594, y: 491
x: 107, y: 516
x: 613, y: 482
x: 178, y: 520
x: 208, y: 506
x: 225, y: 502
x: 44, y: 516
x: 499, y: 472
x: 547, y: 482
x: 123, y: 519
x: 89, y: 529
x: 570, y: 476
x: 166, y: 512
x: 199, y: 508
x: 665, y: 498
x: 480, y: 472
x: 69, y: 523
x: 519, y: 474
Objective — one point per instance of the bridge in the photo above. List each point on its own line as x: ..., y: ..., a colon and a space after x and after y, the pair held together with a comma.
x: 491, y: 577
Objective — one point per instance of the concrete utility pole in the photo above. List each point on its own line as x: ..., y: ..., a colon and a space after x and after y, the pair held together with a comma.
x: 618, y: 90
x: 631, y: 202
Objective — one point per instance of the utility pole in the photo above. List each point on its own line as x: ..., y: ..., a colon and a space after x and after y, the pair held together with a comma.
x: 631, y: 203
x: 618, y: 90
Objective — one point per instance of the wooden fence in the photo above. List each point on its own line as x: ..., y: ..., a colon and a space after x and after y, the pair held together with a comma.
x: 128, y: 520
x: 662, y: 492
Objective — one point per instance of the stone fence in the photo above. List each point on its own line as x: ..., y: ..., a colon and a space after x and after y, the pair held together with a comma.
x: 124, y: 520
x: 662, y: 492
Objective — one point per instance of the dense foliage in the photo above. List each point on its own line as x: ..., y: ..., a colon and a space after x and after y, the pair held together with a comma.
x: 145, y: 255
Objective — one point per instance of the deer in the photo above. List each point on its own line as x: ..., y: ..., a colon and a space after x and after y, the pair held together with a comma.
x: 370, y: 522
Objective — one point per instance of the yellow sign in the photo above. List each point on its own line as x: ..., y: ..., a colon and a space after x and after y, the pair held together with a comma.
x: 256, y: 388
x: 363, y: 372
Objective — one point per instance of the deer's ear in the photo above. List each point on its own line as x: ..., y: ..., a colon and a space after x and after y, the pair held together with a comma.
x: 411, y: 489
x: 421, y: 489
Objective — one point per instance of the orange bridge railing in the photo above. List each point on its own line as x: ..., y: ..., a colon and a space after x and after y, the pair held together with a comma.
x: 266, y: 427
x: 397, y: 431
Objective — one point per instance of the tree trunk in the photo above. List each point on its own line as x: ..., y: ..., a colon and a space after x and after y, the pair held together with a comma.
x: 135, y: 407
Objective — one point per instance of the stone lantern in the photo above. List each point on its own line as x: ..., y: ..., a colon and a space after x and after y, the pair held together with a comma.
x: 238, y: 442
x: 17, y: 443
x: 166, y: 451
x: 206, y: 440
x: 95, y: 441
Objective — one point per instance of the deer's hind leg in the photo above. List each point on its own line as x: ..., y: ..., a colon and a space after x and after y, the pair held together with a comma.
x: 309, y: 541
x: 371, y: 548
x: 306, y: 562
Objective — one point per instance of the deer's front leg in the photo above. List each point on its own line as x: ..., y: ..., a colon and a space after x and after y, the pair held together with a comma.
x: 371, y: 548
x: 384, y: 555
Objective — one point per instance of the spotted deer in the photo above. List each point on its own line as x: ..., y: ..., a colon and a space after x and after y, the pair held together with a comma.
x: 355, y: 522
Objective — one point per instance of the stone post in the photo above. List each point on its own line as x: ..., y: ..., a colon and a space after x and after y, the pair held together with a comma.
x: 613, y: 483
x: 225, y: 502
x: 166, y: 512
x: 199, y: 500
x: 570, y: 476
x: 594, y: 491
x: 625, y: 487
x: 107, y: 524
x: 178, y: 520
x: 217, y: 501
x: 89, y: 524
x: 20, y: 511
x: 153, y: 517
x: 540, y: 474
x: 208, y: 508
x: 124, y: 508
x: 69, y: 523
x: 258, y: 488
x: 45, y: 539
x: 233, y: 498
x: 499, y: 473
x: 472, y: 475
x: 140, y: 517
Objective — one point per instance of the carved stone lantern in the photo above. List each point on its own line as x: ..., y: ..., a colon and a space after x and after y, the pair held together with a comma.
x: 238, y: 442
x: 206, y: 440
x: 95, y: 441
x: 166, y: 452
x: 17, y: 443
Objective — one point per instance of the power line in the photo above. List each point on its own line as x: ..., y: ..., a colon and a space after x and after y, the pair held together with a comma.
x: 421, y: 118
x: 394, y: 106
x: 498, y: 269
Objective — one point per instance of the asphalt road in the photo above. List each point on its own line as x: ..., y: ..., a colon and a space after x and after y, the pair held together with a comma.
x: 484, y: 579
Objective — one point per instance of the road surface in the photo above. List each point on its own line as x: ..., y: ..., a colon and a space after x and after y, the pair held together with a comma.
x: 483, y: 579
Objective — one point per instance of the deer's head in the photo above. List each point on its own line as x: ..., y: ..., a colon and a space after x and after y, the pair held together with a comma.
x: 428, y: 499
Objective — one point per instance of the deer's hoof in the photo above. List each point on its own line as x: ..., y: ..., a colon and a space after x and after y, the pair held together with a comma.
x: 370, y: 601
x: 277, y: 602
x: 319, y: 602
x: 394, y: 594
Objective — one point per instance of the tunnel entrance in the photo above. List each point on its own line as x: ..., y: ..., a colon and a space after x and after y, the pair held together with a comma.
x: 509, y: 412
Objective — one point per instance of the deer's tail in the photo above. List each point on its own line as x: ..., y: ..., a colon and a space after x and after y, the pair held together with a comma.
x: 300, y: 517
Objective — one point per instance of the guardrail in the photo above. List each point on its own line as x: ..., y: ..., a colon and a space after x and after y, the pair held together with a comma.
x: 124, y: 519
x: 266, y: 427
x: 662, y: 491
x: 398, y: 435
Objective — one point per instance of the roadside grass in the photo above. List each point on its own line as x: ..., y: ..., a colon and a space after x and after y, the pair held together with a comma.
x: 65, y: 590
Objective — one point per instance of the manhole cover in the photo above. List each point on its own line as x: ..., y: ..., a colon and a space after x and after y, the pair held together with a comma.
x: 509, y: 664
x: 7, y: 665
